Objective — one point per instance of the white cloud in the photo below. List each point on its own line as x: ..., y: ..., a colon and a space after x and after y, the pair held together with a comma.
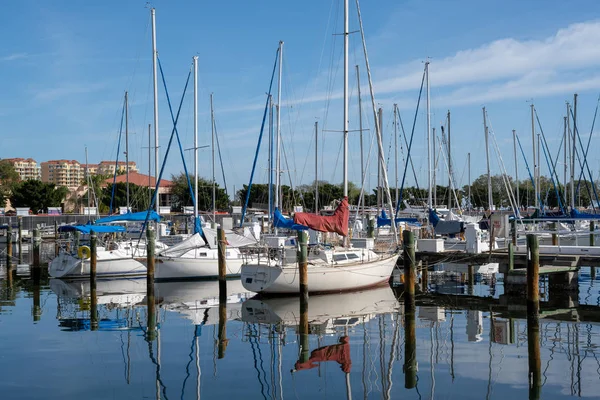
x: 14, y: 56
x: 67, y: 89
x: 570, y: 49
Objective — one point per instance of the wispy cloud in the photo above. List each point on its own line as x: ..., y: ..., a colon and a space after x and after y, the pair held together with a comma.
x: 503, y: 69
x: 14, y: 56
x: 570, y: 49
x: 67, y: 89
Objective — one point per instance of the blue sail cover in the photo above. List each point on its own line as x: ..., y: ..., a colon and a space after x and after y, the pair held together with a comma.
x: 279, y: 221
x: 130, y: 217
x: 580, y: 215
x: 86, y: 229
x: 445, y: 227
x: 383, y: 220
x: 198, y: 227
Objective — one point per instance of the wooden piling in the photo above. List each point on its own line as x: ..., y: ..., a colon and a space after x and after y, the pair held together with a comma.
x: 93, y: 296
x: 77, y: 240
x: 533, y: 267
x: 409, y: 263
x: 9, y: 249
x: 150, y: 246
x: 223, y: 341
x: 554, y: 234
x: 151, y: 310
x: 55, y: 238
x: 36, y: 242
x: 511, y: 257
x: 471, y: 277
x: 304, y: 331
x: 410, y: 342
x: 533, y: 350
x: 222, y: 251
x: 592, y: 228
x: 371, y: 228
x: 36, y: 310
x: 514, y: 231
x: 20, y: 241
x: 303, y: 264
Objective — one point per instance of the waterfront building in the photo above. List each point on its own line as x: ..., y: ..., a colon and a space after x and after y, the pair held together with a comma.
x: 27, y: 168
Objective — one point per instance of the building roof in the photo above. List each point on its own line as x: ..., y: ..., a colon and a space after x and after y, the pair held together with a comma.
x: 18, y: 159
x: 139, y: 179
x: 113, y: 163
x: 61, y: 162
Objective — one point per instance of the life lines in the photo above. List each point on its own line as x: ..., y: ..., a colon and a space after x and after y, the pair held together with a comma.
x: 84, y: 252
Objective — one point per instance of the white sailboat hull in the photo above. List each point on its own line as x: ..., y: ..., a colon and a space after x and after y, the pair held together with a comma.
x: 108, y: 264
x: 175, y: 268
x: 322, y: 278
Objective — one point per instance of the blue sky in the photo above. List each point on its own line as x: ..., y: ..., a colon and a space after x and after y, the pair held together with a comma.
x: 65, y: 65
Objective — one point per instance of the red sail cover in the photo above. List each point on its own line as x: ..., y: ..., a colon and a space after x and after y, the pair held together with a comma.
x: 338, y: 222
x: 336, y: 352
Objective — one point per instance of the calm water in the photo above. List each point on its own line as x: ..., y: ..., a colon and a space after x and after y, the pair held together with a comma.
x: 47, y: 349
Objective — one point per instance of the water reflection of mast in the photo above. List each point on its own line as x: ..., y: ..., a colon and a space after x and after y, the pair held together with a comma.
x: 392, y: 356
x: 431, y: 363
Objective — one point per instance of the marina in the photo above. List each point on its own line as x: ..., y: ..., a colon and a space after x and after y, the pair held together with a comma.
x: 351, y: 255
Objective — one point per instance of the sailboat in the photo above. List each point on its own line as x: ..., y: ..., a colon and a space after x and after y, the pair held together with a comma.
x: 197, y: 256
x: 330, y: 269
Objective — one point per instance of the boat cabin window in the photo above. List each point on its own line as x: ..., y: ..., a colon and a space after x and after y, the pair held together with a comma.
x: 339, y: 257
x: 203, y: 254
x: 352, y: 256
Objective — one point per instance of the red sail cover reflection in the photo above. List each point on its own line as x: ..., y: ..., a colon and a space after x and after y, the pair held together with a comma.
x: 335, y: 352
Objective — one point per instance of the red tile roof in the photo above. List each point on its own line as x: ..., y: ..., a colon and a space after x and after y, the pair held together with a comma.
x: 139, y: 179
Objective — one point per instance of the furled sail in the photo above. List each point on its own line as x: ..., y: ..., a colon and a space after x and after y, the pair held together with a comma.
x: 279, y: 221
x: 338, y: 222
x: 383, y: 220
x: 233, y: 239
x: 130, y: 217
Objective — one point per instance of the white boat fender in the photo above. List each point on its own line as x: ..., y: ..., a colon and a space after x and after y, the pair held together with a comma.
x: 84, y: 252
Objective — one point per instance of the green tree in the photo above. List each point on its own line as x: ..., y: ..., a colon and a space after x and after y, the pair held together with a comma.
x: 138, y: 196
x: 8, y: 178
x: 37, y: 195
x: 181, y: 197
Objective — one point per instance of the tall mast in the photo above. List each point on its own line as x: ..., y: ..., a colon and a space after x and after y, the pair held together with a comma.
x: 429, y: 177
x: 212, y: 125
x: 278, y: 137
x: 396, y: 148
x: 127, y: 146
x: 377, y: 130
x: 195, y: 139
x: 346, y: 33
x: 434, y: 156
x: 380, y: 165
x: 487, y: 157
x: 270, y: 195
x: 516, y: 169
x: 449, y: 167
x: 535, y: 166
x: 469, y: 178
x: 155, y: 86
x: 565, y: 152
x: 570, y: 153
x: 360, y: 128
x: 149, y: 164
x: 87, y: 180
x: 316, y: 167
x: 574, y: 151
